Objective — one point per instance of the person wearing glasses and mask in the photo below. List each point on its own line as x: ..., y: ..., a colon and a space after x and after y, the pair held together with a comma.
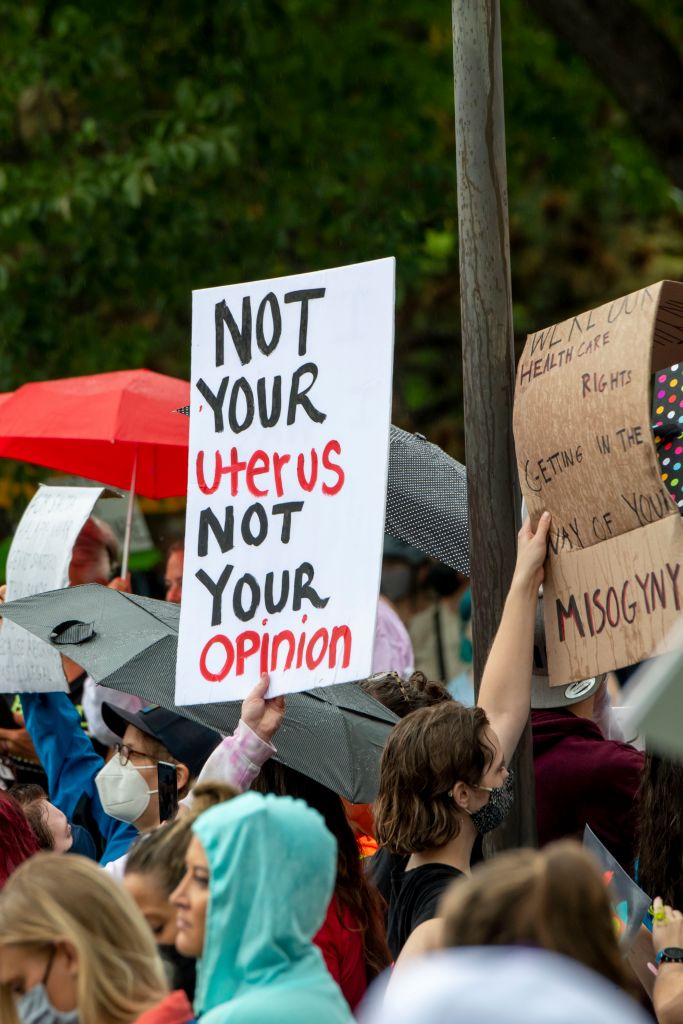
x: 119, y: 799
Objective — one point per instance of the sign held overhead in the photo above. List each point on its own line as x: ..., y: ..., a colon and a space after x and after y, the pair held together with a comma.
x: 289, y: 441
x: 585, y: 452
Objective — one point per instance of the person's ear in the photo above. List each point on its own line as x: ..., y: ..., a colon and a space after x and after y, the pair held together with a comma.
x: 70, y: 957
x: 461, y: 796
x: 182, y: 776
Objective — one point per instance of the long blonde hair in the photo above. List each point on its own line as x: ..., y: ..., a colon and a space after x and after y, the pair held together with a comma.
x: 58, y: 898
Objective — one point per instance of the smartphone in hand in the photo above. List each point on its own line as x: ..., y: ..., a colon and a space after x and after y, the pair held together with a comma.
x: 167, y: 779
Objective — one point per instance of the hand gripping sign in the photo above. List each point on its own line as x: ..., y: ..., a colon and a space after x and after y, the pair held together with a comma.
x: 585, y: 452
x: 289, y: 444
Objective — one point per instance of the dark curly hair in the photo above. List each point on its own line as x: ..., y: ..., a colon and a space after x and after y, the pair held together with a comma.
x: 403, y: 696
x: 660, y: 867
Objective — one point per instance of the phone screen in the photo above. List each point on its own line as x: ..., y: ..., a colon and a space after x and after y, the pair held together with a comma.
x: 168, y: 790
x: 6, y: 716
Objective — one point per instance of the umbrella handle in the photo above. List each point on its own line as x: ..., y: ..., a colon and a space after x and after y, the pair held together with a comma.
x: 129, y: 519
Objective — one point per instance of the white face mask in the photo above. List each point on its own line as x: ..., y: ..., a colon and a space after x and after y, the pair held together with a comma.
x: 123, y: 791
x: 35, y: 1008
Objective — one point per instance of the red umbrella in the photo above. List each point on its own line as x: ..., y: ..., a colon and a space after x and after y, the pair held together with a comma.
x: 118, y: 428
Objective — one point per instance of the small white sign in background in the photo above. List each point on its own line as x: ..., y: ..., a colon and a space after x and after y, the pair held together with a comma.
x: 289, y: 444
x: 38, y: 561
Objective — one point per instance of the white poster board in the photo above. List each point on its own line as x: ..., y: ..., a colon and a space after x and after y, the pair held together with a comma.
x: 39, y: 561
x: 115, y: 513
x: 289, y: 445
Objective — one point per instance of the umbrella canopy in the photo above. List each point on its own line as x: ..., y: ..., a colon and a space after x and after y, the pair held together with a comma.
x: 427, y: 500
x: 333, y: 734
x: 103, y: 427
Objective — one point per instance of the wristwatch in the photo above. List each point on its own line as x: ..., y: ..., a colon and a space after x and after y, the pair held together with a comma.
x: 669, y: 955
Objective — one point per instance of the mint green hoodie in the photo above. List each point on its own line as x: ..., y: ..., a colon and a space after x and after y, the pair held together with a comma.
x: 272, y: 863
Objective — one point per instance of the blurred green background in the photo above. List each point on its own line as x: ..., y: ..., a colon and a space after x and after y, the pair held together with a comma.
x: 151, y: 148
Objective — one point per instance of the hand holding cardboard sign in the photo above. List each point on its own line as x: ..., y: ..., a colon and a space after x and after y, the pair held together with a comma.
x: 532, y: 549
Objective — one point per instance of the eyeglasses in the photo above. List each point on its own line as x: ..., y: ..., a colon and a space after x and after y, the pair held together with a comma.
x: 125, y: 752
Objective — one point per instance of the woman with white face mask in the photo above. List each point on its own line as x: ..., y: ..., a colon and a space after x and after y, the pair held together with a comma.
x: 74, y: 949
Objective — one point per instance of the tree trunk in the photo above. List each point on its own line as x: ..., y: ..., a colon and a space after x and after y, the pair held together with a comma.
x: 487, y: 350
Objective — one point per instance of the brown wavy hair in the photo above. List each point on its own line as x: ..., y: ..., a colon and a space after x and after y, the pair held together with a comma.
x: 425, y: 755
x: 33, y: 799
x: 353, y: 889
x: 552, y: 899
x: 403, y: 696
x: 660, y: 867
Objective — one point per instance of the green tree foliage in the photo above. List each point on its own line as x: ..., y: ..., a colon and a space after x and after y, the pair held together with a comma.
x: 151, y: 148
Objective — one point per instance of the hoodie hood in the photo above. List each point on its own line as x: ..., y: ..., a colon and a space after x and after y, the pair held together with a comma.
x: 272, y: 867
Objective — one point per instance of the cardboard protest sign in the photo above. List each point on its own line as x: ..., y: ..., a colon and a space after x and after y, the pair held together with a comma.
x: 39, y: 561
x: 629, y: 902
x: 289, y: 442
x: 585, y: 452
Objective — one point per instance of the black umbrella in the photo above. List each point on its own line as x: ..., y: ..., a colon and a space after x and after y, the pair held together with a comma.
x: 427, y: 500
x: 333, y: 734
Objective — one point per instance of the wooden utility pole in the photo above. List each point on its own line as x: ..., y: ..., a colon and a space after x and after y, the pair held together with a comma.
x: 488, y: 351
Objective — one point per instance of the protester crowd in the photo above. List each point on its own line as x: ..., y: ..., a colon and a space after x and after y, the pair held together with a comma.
x: 265, y: 896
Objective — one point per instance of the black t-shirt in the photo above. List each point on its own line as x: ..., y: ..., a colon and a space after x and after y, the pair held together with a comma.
x: 415, y: 897
x: 380, y: 868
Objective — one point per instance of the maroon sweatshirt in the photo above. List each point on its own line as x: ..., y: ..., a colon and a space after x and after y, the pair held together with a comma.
x: 582, y: 778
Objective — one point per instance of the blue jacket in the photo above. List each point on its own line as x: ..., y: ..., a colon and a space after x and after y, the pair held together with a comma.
x: 272, y: 867
x: 71, y: 764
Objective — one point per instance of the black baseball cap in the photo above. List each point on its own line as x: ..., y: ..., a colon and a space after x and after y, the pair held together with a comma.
x: 186, y: 741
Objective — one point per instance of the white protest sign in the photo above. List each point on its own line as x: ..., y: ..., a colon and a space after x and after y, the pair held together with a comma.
x: 289, y: 444
x: 39, y: 561
x: 115, y: 513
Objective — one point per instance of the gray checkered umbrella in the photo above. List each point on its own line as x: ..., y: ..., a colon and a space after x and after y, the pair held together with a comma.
x: 333, y: 734
x: 426, y: 499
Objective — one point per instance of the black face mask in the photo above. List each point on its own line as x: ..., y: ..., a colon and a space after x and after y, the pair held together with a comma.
x: 181, y: 971
x: 444, y: 580
x: 494, y: 813
x: 83, y: 843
